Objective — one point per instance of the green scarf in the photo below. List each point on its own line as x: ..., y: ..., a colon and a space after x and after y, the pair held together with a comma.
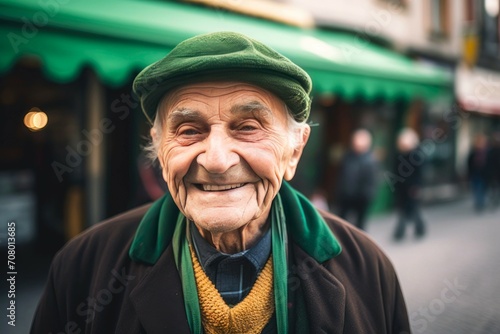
x: 291, y: 215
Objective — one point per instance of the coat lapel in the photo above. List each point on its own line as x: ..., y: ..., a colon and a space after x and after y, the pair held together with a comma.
x: 158, y: 298
x: 159, y: 302
x: 324, y: 294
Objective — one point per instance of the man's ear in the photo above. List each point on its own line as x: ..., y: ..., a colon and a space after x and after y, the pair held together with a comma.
x: 303, y: 136
x: 154, y: 137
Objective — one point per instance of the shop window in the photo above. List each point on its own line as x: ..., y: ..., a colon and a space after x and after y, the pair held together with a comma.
x: 39, y: 119
x: 438, y: 19
x: 438, y: 137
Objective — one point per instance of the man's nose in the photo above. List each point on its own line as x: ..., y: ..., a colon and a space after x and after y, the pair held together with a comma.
x: 218, y: 155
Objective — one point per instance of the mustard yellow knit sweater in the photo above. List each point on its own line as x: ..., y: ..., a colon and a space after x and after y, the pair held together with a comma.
x: 250, y: 316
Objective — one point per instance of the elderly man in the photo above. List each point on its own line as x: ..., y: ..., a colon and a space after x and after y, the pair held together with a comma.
x: 232, y: 248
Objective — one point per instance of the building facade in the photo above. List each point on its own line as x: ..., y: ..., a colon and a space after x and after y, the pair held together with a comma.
x: 459, y: 37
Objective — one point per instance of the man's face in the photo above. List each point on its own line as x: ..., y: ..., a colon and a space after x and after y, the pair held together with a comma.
x: 224, y: 152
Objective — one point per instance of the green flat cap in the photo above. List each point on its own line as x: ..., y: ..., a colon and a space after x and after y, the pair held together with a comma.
x: 225, y: 56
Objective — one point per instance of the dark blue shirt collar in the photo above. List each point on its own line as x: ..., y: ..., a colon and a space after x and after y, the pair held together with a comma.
x: 209, y: 256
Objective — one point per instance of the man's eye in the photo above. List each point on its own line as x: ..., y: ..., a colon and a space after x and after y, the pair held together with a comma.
x: 247, y: 127
x: 189, y: 132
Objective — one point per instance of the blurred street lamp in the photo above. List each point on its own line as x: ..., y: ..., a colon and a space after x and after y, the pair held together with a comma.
x: 35, y: 119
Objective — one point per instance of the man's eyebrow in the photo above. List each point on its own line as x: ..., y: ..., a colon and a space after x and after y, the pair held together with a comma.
x: 181, y: 115
x: 256, y: 108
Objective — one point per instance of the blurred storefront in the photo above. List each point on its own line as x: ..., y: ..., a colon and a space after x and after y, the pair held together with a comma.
x: 54, y: 174
x: 74, y: 61
x: 39, y: 118
x: 478, y: 95
x: 478, y: 77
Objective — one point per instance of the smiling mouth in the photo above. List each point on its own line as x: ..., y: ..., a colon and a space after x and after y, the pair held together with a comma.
x: 217, y: 187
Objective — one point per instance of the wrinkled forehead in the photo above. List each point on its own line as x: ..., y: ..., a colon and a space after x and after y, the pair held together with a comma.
x: 229, y: 93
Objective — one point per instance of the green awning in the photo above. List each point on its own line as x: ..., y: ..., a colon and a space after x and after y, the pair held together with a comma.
x: 117, y: 38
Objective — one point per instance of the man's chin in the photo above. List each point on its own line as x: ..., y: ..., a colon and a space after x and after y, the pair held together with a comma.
x: 224, y: 220
x: 219, y: 224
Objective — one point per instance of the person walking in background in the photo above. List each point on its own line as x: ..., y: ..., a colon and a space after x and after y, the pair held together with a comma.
x: 357, y: 178
x: 477, y: 164
x: 407, y: 192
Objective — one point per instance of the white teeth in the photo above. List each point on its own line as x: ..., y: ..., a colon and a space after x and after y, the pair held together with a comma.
x: 214, y: 187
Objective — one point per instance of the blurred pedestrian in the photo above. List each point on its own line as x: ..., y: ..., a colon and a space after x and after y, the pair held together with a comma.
x: 477, y: 165
x: 494, y: 170
x: 357, y: 184
x: 407, y: 192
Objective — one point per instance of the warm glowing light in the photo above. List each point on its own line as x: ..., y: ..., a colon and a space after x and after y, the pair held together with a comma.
x: 35, y: 119
x: 492, y: 7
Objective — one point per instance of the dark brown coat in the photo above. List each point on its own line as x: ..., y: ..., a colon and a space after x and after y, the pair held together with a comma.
x: 94, y: 286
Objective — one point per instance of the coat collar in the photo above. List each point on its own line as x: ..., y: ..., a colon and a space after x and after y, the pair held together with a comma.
x: 158, y: 299
x: 159, y: 305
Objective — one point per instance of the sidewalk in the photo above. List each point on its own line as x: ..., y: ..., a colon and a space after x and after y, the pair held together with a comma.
x: 434, y: 215
x: 450, y: 278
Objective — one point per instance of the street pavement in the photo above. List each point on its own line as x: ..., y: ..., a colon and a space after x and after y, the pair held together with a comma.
x: 450, y: 278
